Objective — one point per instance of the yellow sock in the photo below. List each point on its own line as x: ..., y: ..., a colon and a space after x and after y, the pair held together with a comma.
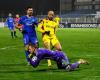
x: 49, y: 62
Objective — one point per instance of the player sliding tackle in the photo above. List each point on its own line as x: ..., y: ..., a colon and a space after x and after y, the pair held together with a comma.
x: 36, y: 55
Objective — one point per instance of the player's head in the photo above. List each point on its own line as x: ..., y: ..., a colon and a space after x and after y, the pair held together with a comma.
x: 10, y: 15
x: 31, y: 48
x: 29, y: 11
x: 17, y: 15
x: 50, y: 15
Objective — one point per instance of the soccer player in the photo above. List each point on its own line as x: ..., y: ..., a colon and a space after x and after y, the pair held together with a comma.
x: 11, y: 25
x: 48, y: 29
x: 36, y: 55
x: 28, y: 23
x: 18, y: 26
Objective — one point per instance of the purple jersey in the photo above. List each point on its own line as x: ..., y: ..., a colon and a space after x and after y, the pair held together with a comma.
x: 58, y: 56
x: 42, y: 53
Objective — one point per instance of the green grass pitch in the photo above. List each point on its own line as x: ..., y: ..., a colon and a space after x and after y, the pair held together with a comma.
x: 77, y: 43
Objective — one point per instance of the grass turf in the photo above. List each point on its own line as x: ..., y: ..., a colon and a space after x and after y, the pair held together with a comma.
x: 76, y: 42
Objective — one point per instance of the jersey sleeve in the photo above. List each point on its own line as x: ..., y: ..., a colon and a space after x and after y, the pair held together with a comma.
x: 41, y: 27
x: 36, y: 21
x: 34, y: 61
x: 57, y: 20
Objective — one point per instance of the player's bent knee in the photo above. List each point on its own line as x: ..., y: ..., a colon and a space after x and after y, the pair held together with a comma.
x: 58, y: 47
x: 46, y: 45
x: 59, y: 65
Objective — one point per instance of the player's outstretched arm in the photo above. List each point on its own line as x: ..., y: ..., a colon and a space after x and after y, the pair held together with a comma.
x: 41, y: 27
x: 34, y: 61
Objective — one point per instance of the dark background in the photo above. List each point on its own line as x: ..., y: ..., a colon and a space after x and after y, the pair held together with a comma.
x: 18, y: 6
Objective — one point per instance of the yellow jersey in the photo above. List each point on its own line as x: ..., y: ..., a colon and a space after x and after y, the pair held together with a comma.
x: 48, y: 25
x: 57, y: 20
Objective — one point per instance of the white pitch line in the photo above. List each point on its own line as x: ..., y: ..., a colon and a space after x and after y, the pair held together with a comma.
x: 9, y: 47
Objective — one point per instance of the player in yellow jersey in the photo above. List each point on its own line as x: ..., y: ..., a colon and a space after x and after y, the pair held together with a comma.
x: 48, y: 29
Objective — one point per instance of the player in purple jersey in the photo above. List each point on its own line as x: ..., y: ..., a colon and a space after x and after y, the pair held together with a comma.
x: 28, y: 23
x: 36, y: 55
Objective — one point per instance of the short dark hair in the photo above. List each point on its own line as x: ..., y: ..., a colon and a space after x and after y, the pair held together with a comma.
x: 29, y: 7
x: 30, y: 44
x: 50, y: 10
x: 33, y: 45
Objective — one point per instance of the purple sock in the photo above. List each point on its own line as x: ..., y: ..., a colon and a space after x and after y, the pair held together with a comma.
x: 74, y: 65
